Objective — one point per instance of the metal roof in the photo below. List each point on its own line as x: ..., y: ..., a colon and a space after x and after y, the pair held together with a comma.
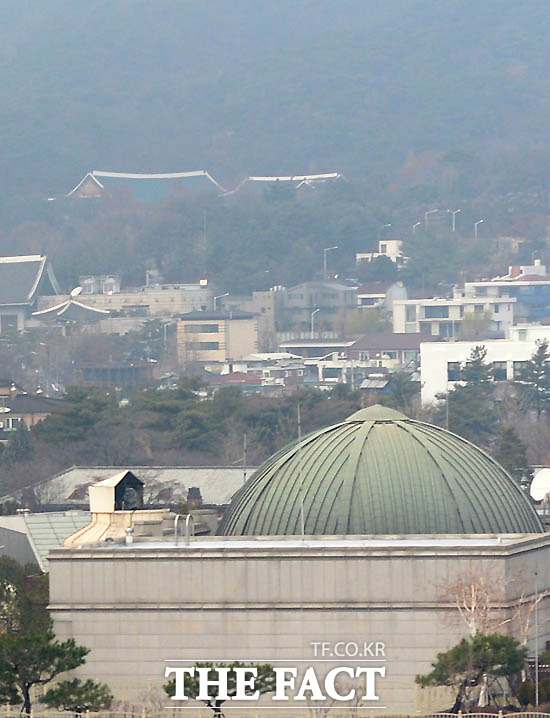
x: 380, y: 473
x: 48, y: 531
x: 162, y: 483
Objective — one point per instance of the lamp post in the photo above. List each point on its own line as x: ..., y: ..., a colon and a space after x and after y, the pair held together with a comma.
x: 454, y: 212
x: 326, y: 250
x: 415, y: 226
x: 536, y: 640
x: 219, y: 297
x: 479, y: 221
x: 313, y: 313
x: 426, y: 214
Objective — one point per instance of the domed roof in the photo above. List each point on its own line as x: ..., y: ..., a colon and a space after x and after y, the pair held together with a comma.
x: 379, y: 472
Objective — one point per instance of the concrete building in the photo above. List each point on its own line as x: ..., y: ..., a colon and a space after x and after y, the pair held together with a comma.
x: 210, y: 338
x: 439, y: 317
x: 529, y: 285
x: 380, y: 294
x: 154, y: 300
x: 348, y: 537
x: 441, y: 362
x: 390, y: 248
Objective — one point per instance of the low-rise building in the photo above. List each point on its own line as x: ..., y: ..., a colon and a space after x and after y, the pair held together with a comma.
x: 443, y: 317
x: 215, y: 337
x: 153, y: 300
x: 527, y: 285
x: 380, y: 294
x: 390, y: 248
x: 387, y: 349
x: 18, y: 407
x: 441, y: 362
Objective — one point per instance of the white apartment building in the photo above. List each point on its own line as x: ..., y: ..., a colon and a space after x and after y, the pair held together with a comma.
x: 442, y: 317
x: 390, y: 248
x: 440, y: 362
x: 529, y: 285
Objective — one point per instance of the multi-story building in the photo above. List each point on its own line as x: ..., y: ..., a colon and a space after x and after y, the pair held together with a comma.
x: 528, y: 285
x: 444, y: 317
x: 441, y: 363
x: 215, y: 337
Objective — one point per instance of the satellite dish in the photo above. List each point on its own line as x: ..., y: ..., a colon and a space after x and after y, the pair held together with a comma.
x: 4, y: 409
x: 76, y: 291
x: 540, y: 486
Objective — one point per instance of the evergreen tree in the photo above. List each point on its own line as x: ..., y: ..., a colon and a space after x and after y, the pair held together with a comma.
x: 78, y: 696
x: 476, y: 372
x: 464, y: 666
x: 264, y: 682
x: 534, y: 381
x: 511, y: 454
x: 467, y: 409
x: 19, y: 447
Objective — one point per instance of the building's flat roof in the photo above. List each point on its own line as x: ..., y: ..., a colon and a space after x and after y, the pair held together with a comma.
x: 316, y: 545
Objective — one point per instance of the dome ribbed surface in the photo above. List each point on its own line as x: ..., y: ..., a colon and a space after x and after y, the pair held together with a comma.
x: 379, y: 472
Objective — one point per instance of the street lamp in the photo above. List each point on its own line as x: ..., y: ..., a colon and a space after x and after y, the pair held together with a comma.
x: 454, y: 212
x: 536, y: 639
x: 326, y: 250
x: 313, y: 313
x: 475, y: 227
x: 415, y: 226
x: 219, y: 297
x: 430, y: 211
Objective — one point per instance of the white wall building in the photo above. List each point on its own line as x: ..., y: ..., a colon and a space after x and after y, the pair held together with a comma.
x: 443, y: 317
x: 390, y: 248
x: 440, y: 361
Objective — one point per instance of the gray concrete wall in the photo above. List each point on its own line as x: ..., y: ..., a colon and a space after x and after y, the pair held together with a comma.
x: 262, y: 601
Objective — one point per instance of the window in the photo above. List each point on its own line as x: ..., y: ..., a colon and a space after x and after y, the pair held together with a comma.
x: 497, y: 308
x: 383, y: 248
x: 410, y: 313
x: 481, y: 291
x: 454, y: 371
x: 522, y: 335
x: 519, y: 366
x: 202, y: 346
x: 478, y: 308
x: 391, y: 355
x: 201, y: 328
x: 499, y: 371
x: 11, y: 423
x: 436, y: 312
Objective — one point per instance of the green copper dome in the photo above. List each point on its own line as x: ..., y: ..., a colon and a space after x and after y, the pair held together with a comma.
x: 379, y: 472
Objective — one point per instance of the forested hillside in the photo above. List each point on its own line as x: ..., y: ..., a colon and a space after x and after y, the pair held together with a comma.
x: 445, y: 97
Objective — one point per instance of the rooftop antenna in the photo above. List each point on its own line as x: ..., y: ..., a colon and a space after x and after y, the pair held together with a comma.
x: 300, y: 464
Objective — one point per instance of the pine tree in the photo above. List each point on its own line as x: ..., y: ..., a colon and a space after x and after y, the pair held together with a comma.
x: 19, y: 447
x: 511, y: 454
x: 467, y: 410
x: 534, y: 381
